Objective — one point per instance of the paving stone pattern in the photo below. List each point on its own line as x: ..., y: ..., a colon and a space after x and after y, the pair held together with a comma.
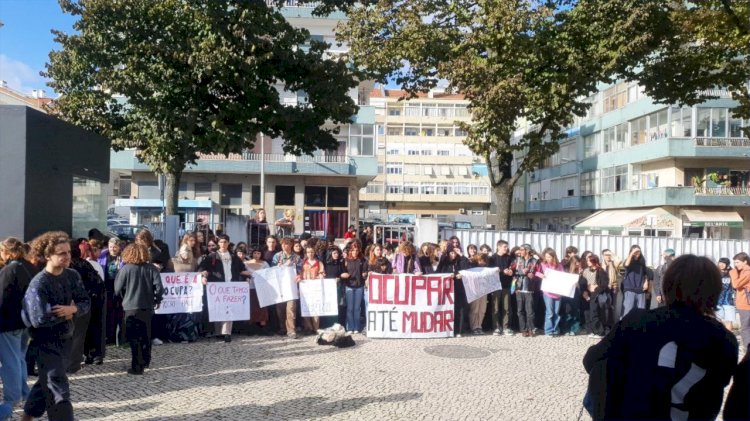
x: 273, y: 378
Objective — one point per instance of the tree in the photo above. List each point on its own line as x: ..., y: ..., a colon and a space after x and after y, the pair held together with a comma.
x: 521, y: 64
x: 679, y: 51
x: 174, y: 78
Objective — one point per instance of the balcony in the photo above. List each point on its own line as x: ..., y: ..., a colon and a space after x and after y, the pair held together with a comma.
x: 303, y: 9
x: 725, y: 142
x: 276, y: 157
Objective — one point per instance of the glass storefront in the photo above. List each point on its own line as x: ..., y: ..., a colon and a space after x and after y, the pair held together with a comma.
x: 89, y: 206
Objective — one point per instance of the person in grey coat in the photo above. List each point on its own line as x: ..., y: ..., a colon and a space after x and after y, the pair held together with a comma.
x: 657, y: 296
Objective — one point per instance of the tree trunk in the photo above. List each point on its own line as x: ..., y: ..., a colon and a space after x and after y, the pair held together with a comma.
x: 503, y: 197
x: 171, y: 191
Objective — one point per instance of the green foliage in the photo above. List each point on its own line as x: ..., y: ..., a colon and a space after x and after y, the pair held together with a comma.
x: 677, y: 50
x: 174, y: 78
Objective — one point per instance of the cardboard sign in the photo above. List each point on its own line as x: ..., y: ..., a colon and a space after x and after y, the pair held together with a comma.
x: 183, y: 293
x: 318, y: 297
x: 410, y: 306
x: 228, y: 301
x: 560, y: 283
x: 480, y: 281
x: 276, y: 285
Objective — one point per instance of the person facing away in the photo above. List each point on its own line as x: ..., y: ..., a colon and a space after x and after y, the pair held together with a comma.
x: 671, y: 362
x: 635, y: 281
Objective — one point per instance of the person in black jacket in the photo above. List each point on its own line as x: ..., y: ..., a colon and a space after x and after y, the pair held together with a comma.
x: 139, y: 285
x: 502, y: 299
x: 451, y: 263
x: 14, y: 280
x: 335, y: 268
x: 594, y: 286
x: 737, y: 406
x: 94, y: 286
x: 354, y: 280
x: 222, y: 266
x: 671, y: 362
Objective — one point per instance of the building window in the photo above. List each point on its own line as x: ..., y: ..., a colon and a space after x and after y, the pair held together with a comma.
x: 682, y: 122
x: 462, y: 189
x: 426, y: 152
x: 444, y: 188
x: 361, y: 140
x: 395, y: 188
x: 374, y: 188
x: 395, y: 131
x: 284, y: 195
x: 638, y: 131
x: 462, y: 111
x: 255, y: 196
x: 411, y: 188
x: 231, y: 195
x: 444, y: 131
x: 394, y: 168
x: 589, y: 183
x: 615, y: 97
x: 719, y: 122
x: 411, y: 110
x: 123, y: 185
x: 412, y: 152
x: 589, y: 146
x: 479, y: 190
x: 338, y: 197
x: 428, y: 188
x: 148, y: 189
x: 395, y: 109
x: 203, y: 191
x: 614, y: 179
x: 704, y: 123
x: 461, y: 132
x: 735, y: 127
x: 443, y: 152
x: 411, y: 131
x: 315, y: 196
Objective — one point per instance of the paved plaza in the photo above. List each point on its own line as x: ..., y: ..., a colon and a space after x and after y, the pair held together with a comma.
x: 262, y: 378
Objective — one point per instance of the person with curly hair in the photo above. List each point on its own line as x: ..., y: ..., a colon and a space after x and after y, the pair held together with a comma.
x: 139, y: 285
x: 54, y: 298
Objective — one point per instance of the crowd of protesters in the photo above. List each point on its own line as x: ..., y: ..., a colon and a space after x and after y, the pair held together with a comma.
x: 72, y: 297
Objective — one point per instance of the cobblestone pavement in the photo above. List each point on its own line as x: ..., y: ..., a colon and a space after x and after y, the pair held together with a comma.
x: 259, y: 378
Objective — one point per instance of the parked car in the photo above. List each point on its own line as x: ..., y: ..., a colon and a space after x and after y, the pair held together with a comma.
x: 125, y: 232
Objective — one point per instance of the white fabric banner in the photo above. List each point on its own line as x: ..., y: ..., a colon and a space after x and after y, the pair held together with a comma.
x: 228, y: 301
x: 318, y: 297
x: 480, y: 281
x: 183, y: 293
x: 410, y: 306
x: 276, y: 285
x: 560, y: 283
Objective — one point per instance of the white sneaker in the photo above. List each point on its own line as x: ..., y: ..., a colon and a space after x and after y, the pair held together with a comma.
x: 509, y: 333
x: 591, y: 335
x: 156, y: 341
x: 497, y: 332
x: 355, y: 332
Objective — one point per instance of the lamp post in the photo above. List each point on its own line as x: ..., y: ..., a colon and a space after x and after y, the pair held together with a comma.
x: 262, y: 171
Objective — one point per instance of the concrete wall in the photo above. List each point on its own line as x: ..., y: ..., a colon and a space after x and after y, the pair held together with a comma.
x: 12, y: 170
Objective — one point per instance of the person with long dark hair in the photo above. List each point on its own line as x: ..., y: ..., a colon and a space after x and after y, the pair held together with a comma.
x: 354, y: 278
x: 551, y: 301
x: 524, y: 285
x: 110, y: 260
x: 635, y: 281
x: 594, y: 286
x: 94, y: 286
x: 452, y: 262
x: 139, y: 285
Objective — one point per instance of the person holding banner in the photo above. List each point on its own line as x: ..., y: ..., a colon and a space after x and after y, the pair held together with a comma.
x: 287, y: 311
x: 452, y: 263
x: 551, y: 301
x: 258, y: 314
x: 312, y: 268
x: 524, y: 285
x: 354, y: 278
x: 478, y: 307
x: 595, y: 286
x: 222, y: 266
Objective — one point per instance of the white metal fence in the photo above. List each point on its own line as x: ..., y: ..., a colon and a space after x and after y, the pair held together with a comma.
x: 652, y: 247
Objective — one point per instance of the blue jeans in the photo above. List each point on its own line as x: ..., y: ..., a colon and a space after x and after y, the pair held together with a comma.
x: 13, y: 370
x: 353, y: 308
x: 633, y: 300
x: 551, y: 315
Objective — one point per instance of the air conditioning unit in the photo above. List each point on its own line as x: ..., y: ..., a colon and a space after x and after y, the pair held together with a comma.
x: 462, y: 211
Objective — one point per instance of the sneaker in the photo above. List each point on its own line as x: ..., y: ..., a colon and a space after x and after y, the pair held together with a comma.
x: 156, y: 341
x: 134, y: 372
x: 227, y: 338
x: 509, y: 333
x: 497, y: 332
x: 591, y: 335
x: 478, y: 332
x: 355, y: 332
x: 457, y: 335
x: 571, y: 334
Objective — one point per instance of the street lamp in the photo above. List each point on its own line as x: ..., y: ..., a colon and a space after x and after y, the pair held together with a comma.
x: 262, y: 171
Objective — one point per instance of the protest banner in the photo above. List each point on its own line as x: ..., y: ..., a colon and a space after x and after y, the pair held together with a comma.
x: 228, y: 301
x: 183, y: 293
x: 560, y: 283
x: 318, y: 297
x: 410, y: 306
x: 480, y: 281
x: 275, y: 285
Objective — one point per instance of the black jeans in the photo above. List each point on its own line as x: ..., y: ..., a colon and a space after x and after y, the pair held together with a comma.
x: 138, y: 334
x: 78, y: 341
x: 525, y: 302
x: 460, y: 307
x: 96, y: 336
x: 600, y: 314
x: 51, y: 392
x: 501, y: 311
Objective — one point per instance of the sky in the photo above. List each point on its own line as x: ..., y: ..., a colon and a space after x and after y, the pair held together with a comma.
x: 26, y: 40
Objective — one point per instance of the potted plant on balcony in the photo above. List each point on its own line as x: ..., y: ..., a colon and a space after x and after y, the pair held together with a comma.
x: 698, y: 183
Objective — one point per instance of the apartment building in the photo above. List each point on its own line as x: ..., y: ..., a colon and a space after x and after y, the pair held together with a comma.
x: 322, y: 190
x: 423, y: 167
x: 634, y: 167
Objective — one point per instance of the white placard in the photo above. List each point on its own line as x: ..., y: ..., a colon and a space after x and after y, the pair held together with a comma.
x: 318, y: 297
x: 183, y: 293
x: 276, y: 285
x: 560, y: 283
x: 228, y: 301
x: 480, y: 281
x: 410, y: 306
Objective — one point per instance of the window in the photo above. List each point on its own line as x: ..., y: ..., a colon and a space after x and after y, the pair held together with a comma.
x: 621, y: 136
x: 411, y: 169
x: 395, y: 109
x: 444, y: 188
x: 411, y: 110
x: 443, y: 152
x: 395, y: 130
x: 202, y: 191
x: 124, y: 186
x: 479, y: 190
x: 231, y: 194
x: 428, y: 188
x: 443, y: 131
x: 682, y: 122
x: 429, y: 110
x: 395, y: 189
x: 426, y: 152
x: 638, y: 131
x: 315, y: 196
x: 411, y: 131
x: 462, y: 189
x: 589, y: 145
x: 614, y: 179
x: 255, y: 195
x: 462, y: 111
x: 338, y: 197
x: 445, y: 110
x: 412, y: 150
x: 361, y: 140
x: 374, y: 188
x: 735, y: 128
x: 381, y: 169
x: 411, y: 188
x: 719, y: 122
x: 461, y: 132
x: 394, y: 169
x: 428, y: 131
x: 704, y: 123
x: 615, y: 97
x: 148, y: 189
x: 609, y: 142
x: 284, y: 195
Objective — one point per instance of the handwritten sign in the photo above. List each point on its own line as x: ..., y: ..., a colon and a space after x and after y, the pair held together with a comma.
x: 318, y: 297
x: 183, y: 293
x: 560, y: 283
x: 410, y: 306
x: 276, y: 285
x: 228, y: 301
x: 480, y: 281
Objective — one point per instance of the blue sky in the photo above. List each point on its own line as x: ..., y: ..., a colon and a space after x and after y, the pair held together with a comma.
x: 26, y: 40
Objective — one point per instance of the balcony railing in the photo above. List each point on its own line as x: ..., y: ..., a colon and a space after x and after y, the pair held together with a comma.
x: 722, y: 191
x: 718, y: 93
x: 723, y: 142
x: 294, y: 3
x: 278, y: 157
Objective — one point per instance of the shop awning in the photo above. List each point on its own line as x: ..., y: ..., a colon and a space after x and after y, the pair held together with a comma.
x: 619, y: 219
x: 699, y: 218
